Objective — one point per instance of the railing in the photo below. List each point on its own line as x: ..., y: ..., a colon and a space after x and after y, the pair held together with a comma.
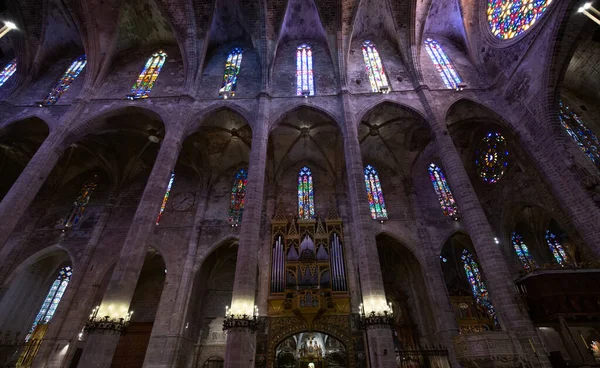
x: 425, y: 358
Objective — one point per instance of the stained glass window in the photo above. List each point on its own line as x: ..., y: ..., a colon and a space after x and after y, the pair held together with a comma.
x: 442, y: 189
x: 65, y: 81
x: 585, y: 139
x: 478, y: 288
x: 165, y: 198
x: 232, y: 69
x: 304, y: 71
x: 377, y: 78
x: 522, y: 251
x: 52, y: 299
x: 8, y: 71
x: 306, y: 200
x: 443, y: 65
x: 374, y: 194
x: 556, y: 248
x: 491, y: 157
x: 510, y: 18
x: 143, y: 85
x: 76, y: 212
x: 238, y: 192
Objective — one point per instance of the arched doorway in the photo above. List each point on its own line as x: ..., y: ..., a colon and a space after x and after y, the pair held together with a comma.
x: 311, y: 350
x: 214, y: 362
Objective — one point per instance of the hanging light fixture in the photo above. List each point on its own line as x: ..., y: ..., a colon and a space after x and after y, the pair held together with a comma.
x: 8, y: 26
x: 588, y: 9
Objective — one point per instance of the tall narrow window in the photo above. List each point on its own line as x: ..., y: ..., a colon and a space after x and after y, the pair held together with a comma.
x: 306, y: 201
x: 165, y: 198
x: 585, y: 139
x: 143, y: 85
x: 478, y: 288
x: 443, y: 64
x: 236, y: 202
x: 8, y: 71
x: 491, y: 157
x: 442, y: 189
x: 556, y: 248
x: 522, y: 251
x: 65, y: 81
x: 76, y: 212
x: 52, y: 299
x: 304, y: 71
x: 232, y: 69
x: 374, y: 194
x: 377, y: 78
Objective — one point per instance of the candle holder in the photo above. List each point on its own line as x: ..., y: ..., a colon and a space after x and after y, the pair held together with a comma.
x: 376, y: 319
x: 113, y: 325
x: 241, y: 322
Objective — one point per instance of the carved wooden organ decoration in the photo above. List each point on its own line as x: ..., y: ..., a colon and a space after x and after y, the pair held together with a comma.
x: 308, y: 269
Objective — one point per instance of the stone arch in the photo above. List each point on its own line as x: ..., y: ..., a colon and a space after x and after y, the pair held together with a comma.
x: 199, y: 119
x: 278, y: 116
x: 36, y: 257
x: 203, y: 254
x: 364, y: 112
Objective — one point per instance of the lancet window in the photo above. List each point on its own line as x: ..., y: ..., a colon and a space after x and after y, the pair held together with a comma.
x: 522, y: 251
x: 8, y: 71
x: 52, y: 299
x: 304, y: 71
x: 442, y: 189
x: 556, y: 248
x: 377, y: 78
x: 491, y: 157
x: 585, y: 139
x: 443, y: 65
x: 236, y: 201
x: 232, y: 69
x: 143, y: 85
x: 478, y: 288
x: 510, y: 18
x: 374, y: 194
x: 78, y: 207
x: 165, y: 198
x: 65, y: 81
x: 306, y: 200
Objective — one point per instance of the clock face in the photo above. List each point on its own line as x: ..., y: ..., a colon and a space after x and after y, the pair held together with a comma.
x: 182, y: 202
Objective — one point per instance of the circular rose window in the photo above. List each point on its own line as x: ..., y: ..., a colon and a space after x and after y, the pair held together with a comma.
x: 510, y: 18
x: 491, y: 158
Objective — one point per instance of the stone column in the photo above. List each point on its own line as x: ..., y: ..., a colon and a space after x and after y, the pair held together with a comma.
x: 264, y: 256
x: 25, y: 189
x: 75, y: 304
x: 101, y: 347
x: 573, y: 345
x: 240, y: 348
x: 168, y: 333
x: 379, y: 337
x: 510, y: 309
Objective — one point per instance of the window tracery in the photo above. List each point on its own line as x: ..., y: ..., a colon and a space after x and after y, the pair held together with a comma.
x: 442, y: 189
x: 583, y: 136
x: 304, y: 71
x: 306, y: 201
x: 232, y: 69
x: 238, y: 192
x: 478, y: 288
x: 375, y: 194
x: 491, y: 158
x: 143, y: 85
x: 443, y: 65
x: 165, y: 198
x: 8, y: 71
x: 509, y: 18
x: 522, y: 251
x: 556, y: 248
x: 78, y: 207
x: 65, y: 81
x: 377, y: 78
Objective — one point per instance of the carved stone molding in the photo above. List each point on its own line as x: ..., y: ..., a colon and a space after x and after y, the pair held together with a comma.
x: 489, y: 349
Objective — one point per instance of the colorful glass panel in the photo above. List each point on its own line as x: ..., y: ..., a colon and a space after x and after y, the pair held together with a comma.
x: 65, y: 81
x: 556, y: 248
x: 52, y: 299
x: 377, y: 78
x: 442, y: 189
x: 442, y: 63
x: 522, y: 251
x: 304, y: 71
x: 232, y: 69
x: 510, y: 18
x: 491, y: 158
x: 165, y: 198
x: 585, y: 139
x: 374, y: 194
x: 306, y: 201
x: 76, y: 212
x: 143, y: 85
x: 238, y: 192
x: 8, y: 71
x: 478, y: 288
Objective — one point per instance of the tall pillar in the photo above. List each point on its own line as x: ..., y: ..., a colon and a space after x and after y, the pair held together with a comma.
x: 24, y: 190
x: 75, y: 304
x: 379, y: 337
x: 241, y: 343
x: 100, y: 348
x: 510, y: 309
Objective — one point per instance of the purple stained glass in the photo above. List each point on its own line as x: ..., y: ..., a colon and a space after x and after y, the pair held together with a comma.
x: 238, y: 192
x: 143, y: 85
x: 522, y: 251
x: 442, y: 189
x: 491, y: 157
x: 304, y: 71
x: 374, y: 67
x: 65, y: 81
x: 442, y: 63
x: 306, y: 202
x: 583, y: 136
x: 375, y: 194
x: 556, y: 248
x: 8, y: 71
x: 165, y: 198
x: 478, y: 288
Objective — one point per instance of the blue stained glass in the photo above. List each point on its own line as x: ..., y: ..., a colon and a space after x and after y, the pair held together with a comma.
x: 556, y: 248
x: 442, y: 189
x: 377, y: 78
x: 165, y: 198
x: 491, y: 157
x: 76, y: 212
x: 232, y: 69
x: 65, y: 81
x: 523, y: 252
x: 583, y: 136
x: 478, y: 288
x: 8, y: 71
x: 510, y: 18
x: 238, y: 192
x: 304, y: 71
x: 143, y: 85
x: 442, y: 63
x: 375, y: 194
x: 306, y: 201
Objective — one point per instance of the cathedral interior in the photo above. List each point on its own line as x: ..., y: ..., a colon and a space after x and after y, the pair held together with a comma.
x: 299, y: 183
